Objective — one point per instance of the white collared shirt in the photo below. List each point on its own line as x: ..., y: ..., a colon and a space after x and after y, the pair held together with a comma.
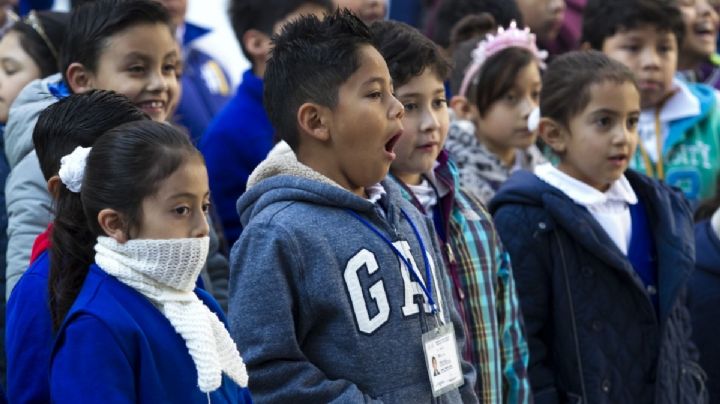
x: 682, y: 104
x: 609, y: 208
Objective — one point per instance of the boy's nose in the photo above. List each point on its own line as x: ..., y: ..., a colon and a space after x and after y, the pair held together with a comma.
x: 649, y: 58
x: 429, y: 121
x: 396, y: 110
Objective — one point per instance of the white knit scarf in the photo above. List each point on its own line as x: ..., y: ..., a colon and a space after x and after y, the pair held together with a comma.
x: 165, y: 272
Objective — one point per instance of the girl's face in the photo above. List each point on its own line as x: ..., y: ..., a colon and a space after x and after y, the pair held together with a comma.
x: 140, y: 63
x: 17, y: 69
x: 701, y: 29
x: 599, y: 141
x: 179, y: 207
x: 425, y: 126
x: 503, y: 127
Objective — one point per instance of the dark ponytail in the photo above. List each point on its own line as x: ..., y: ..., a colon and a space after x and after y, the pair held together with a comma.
x: 126, y: 165
x: 71, y: 253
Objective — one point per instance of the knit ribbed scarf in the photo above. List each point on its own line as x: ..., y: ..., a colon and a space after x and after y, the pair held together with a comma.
x: 165, y: 272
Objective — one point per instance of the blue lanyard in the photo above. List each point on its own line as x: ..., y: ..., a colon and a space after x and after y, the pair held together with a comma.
x: 427, y: 290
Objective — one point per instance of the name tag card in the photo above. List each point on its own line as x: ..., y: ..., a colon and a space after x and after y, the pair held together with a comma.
x: 442, y: 360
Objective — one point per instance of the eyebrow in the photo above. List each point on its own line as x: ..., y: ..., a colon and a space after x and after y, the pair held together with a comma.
x: 188, y: 195
x: 372, y: 80
x: 612, y: 112
x: 145, y: 56
x: 436, y: 92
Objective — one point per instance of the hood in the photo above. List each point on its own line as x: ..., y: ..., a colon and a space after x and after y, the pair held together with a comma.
x: 523, y: 187
x: 24, y: 112
x: 282, y: 178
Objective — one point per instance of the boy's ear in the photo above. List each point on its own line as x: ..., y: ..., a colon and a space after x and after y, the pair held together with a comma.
x: 79, y: 78
x: 312, y: 119
x: 553, y: 134
x: 585, y: 46
x: 257, y: 43
x: 113, y: 224
x: 53, y: 186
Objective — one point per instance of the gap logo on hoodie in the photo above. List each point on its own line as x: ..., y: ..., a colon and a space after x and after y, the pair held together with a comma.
x: 369, y: 298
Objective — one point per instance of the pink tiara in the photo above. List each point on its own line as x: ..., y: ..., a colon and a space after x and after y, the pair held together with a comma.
x: 492, y: 44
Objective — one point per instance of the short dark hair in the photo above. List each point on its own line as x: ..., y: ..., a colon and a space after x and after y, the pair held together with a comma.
x: 604, y: 18
x: 41, y: 35
x: 94, y: 22
x: 450, y: 12
x: 498, y: 75
x: 126, y: 164
x: 78, y: 120
x: 407, y: 52
x: 262, y: 15
x: 310, y: 60
x: 567, y: 81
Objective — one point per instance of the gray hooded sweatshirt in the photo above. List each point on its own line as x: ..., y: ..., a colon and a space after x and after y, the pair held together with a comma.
x: 321, y: 308
x: 28, y: 201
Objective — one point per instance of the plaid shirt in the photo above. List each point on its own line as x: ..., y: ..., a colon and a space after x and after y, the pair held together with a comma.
x: 484, y: 291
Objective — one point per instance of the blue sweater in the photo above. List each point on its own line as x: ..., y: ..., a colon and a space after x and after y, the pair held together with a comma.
x: 116, y: 347
x: 29, y: 335
x: 236, y: 141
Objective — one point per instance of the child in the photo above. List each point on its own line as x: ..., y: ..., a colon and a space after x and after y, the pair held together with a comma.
x: 477, y: 264
x: 240, y: 136
x: 74, y: 121
x: 122, y: 45
x: 600, y: 258
x: 450, y: 12
x: 205, y: 85
x: 505, y: 73
x: 335, y: 290
x: 28, y: 51
x: 697, y: 58
x: 679, y: 125
x: 135, y: 330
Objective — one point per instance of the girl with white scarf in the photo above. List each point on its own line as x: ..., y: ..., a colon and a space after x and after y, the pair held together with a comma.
x: 126, y: 255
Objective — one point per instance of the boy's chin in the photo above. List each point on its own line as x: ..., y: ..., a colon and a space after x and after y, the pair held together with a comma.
x: 653, y: 99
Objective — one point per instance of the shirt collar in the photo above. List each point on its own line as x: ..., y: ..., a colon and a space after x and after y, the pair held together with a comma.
x: 584, y: 194
x: 682, y: 104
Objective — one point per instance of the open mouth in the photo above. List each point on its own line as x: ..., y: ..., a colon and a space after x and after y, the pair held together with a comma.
x: 618, y: 159
x: 390, y: 145
x: 152, y: 105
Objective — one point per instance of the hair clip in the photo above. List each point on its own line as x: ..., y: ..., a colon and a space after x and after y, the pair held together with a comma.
x: 492, y: 44
x: 72, y: 168
x: 33, y: 21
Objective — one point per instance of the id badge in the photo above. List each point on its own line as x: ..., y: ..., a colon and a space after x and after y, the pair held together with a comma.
x: 442, y: 360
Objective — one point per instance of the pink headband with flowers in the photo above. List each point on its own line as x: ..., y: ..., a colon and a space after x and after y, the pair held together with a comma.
x: 492, y: 44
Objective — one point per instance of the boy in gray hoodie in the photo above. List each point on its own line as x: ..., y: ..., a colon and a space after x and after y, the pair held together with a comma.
x: 336, y: 292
